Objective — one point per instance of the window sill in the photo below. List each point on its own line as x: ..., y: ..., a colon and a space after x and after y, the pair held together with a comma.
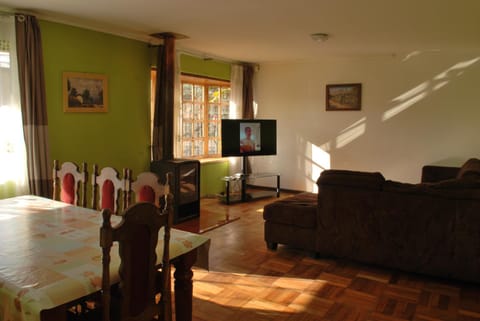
x: 213, y: 160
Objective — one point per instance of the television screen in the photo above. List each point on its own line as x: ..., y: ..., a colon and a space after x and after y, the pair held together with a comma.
x: 248, y: 137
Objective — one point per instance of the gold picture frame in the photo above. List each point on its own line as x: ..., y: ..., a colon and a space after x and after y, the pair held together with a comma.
x: 344, y: 97
x: 85, y: 92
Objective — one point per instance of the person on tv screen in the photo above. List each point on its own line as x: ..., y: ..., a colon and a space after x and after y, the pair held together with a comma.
x: 247, y: 143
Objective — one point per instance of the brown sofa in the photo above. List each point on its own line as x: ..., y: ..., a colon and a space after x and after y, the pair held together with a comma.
x: 431, y: 228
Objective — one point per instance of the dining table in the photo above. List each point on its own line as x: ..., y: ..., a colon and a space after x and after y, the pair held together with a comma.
x: 50, y: 257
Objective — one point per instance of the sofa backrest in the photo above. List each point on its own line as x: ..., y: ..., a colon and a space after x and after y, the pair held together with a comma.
x: 358, y: 179
x: 471, y: 169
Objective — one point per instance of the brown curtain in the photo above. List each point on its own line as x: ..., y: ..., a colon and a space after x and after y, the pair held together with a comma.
x: 33, y: 104
x: 247, y: 97
x: 163, y: 121
x: 157, y: 148
x: 248, y: 72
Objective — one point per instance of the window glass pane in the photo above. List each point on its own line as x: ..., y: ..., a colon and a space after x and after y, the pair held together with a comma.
x: 225, y: 112
x: 212, y: 129
x: 197, y: 147
x: 198, y: 130
x: 187, y: 111
x: 198, y: 111
x: 213, y: 94
x: 187, y: 130
x: 213, y: 112
x: 187, y: 148
x: 212, y: 146
x: 225, y: 94
x: 198, y: 96
x: 187, y: 91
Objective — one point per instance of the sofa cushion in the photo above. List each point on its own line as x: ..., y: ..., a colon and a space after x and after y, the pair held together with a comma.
x: 67, y: 193
x: 399, y: 187
x: 436, y: 173
x: 471, y: 168
x: 351, y: 178
x: 461, y: 189
x: 298, y: 210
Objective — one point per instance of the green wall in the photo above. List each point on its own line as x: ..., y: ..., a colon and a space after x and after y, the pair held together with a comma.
x: 204, y: 67
x: 211, y: 173
x: 118, y: 138
x: 121, y: 137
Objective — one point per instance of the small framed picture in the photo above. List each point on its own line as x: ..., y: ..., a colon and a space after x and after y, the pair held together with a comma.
x: 85, y: 92
x: 344, y: 97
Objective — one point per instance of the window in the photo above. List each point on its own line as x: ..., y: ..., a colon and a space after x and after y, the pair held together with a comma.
x: 13, y: 163
x: 204, y: 103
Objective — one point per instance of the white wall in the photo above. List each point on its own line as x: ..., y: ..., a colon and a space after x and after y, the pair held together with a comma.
x: 417, y: 109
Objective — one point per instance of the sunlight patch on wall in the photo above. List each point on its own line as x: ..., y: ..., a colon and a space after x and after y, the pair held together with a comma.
x: 351, y: 133
x: 440, y: 85
x: 414, y: 95
x: 321, y: 161
x: 418, y: 53
x: 410, y: 98
x: 316, y: 161
x: 460, y: 67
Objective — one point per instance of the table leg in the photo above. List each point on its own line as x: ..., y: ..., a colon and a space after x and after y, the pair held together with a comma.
x: 227, y: 191
x: 183, y: 285
x: 278, y: 185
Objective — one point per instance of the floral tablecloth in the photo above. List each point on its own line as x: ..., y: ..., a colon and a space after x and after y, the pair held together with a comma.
x: 50, y: 254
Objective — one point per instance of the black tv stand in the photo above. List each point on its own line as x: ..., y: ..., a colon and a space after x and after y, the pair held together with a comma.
x: 242, y: 177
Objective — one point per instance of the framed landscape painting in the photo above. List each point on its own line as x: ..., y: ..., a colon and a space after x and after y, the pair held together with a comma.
x: 344, y: 97
x: 85, y: 92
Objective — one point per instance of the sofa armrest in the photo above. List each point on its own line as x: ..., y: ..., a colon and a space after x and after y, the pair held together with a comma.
x: 433, y: 174
x: 355, y: 179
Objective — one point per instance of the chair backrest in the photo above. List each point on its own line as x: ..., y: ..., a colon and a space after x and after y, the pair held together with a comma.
x: 109, y: 190
x: 137, y: 235
x: 69, y: 183
x: 147, y: 188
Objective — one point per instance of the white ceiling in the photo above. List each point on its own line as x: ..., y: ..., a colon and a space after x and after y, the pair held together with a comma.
x: 277, y: 30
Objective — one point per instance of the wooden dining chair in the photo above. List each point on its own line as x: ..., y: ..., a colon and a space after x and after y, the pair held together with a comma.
x: 147, y: 188
x: 136, y: 297
x: 69, y: 183
x: 109, y: 190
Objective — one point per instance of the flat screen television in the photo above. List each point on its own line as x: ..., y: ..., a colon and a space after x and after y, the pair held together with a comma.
x: 249, y: 137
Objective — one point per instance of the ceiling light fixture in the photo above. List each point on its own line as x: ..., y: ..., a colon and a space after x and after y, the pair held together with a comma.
x: 319, y: 37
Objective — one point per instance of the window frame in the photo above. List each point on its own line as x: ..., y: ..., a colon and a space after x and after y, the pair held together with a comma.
x: 205, y: 82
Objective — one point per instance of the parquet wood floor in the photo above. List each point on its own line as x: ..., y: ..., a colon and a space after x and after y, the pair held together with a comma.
x: 248, y: 282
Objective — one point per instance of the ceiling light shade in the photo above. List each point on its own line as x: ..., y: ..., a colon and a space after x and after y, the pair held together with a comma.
x: 319, y: 37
